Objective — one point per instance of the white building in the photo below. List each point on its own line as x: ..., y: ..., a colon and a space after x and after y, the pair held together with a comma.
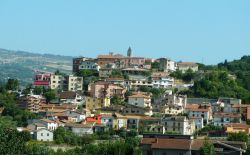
x: 89, y: 65
x: 75, y: 116
x: 196, y: 110
x: 184, y: 66
x: 198, y: 122
x: 162, y: 82
x: 49, y: 124
x: 70, y: 97
x: 56, y: 82
x: 167, y: 64
x: 80, y: 129
x: 140, y: 100
x: 43, y: 135
x: 178, y: 124
x: 221, y: 119
x: 73, y: 83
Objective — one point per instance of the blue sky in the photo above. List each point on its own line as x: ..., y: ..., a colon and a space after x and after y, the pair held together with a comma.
x: 189, y: 30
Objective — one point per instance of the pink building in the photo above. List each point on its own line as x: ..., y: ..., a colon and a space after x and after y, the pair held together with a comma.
x: 103, y: 89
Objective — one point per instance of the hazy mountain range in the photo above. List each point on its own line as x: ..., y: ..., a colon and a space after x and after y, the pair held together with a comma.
x: 23, y: 65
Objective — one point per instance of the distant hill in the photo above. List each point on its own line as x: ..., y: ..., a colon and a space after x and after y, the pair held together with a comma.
x: 23, y: 65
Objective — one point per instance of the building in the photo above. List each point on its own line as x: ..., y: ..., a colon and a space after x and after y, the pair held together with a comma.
x: 172, y: 110
x: 163, y: 82
x: 105, y: 72
x: 199, y: 123
x: 176, y: 145
x: 179, y: 125
x: 136, y: 81
x: 73, y: 83
x: 56, y: 82
x: 90, y: 65
x: 140, y: 99
x: 184, y: 66
x: 31, y: 103
x: 42, y: 79
x: 237, y: 127
x: 93, y: 103
x: 167, y: 65
x: 102, y: 89
x: 49, y: 124
x: 154, y: 129
x: 104, y: 60
x: 137, y: 110
x: 200, y: 110
x: 77, y: 62
x: 70, y: 97
x: 43, y: 135
x: 222, y: 119
x: 80, y: 129
x: 95, y: 119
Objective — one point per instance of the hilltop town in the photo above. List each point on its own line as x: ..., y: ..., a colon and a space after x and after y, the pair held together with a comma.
x: 140, y: 105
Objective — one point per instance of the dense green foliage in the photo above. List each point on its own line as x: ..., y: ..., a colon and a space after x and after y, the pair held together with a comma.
x: 188, y: 76
x: 241, y: 136
x: 228, y: 79
x: 207, y: 148
x: 156, y: 92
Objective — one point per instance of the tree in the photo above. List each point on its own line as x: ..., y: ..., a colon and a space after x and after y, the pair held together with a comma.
x: 240, y: 136
x: 207, y: 148
x: 50, y: 95
x: 117, y: 100
x: 12, y: 84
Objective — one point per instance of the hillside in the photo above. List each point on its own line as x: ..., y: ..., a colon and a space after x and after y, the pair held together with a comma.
x: 22, y: 65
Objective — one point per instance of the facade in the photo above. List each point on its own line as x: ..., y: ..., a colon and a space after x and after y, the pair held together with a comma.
x: 172, y: 110
x: 70, y: 97
x: 222, y: 119
x: 31, y: 103
x: 140, y: 99
x: 43, y: 135
x: 81, y: 129
x: 56, y: 82
x: 75, y: 116
x: 77, y: 62
x: 136, y: 81
x: 73, y: 83
x: 178, y: 124
x: 200, y: 110
x: 89, y: 64
x: 136, y: 110
x: 184, y: 66
x: 162, y: 82
x: 198, y: 122
x: 237, y: 127
x: 102, y: 89
x: 42, y: 79
x: 167, y: 64
x: 104, y: 60
x: 105, y: 72
x: 154, y: 129
x: 93, y: 103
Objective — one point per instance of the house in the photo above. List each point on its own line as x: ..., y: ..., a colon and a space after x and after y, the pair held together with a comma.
x: 199, y: 123
x: 104, y: 60
x: 179, y: 125
x: 172, y: 110
x: 136, y: 81
x: 80, y: 129
x: 116, y: 81
x: 222, y: 119
x: 75, y: 116
x: 167, y: 65
x: 92, y: 103
x: 49, y: 124
x: 31, y: 103
x: 56, y: 82
x: 70, y: 97
x: 136, y: 121
x: 184, y: 66
x: 154, y: 129
x: 95, y: 119
x: 43, y: 135
x: 42, y: 79
x: 105, y: 72
x: 102, y: 89
x: 137, y: 110
x: 119, y: 121
x: 163, y: 82
x: 174, y: 145
x: 237, y: 127
x: 228, y: 103
x: 107, y: 120
x: 73, y: 83
x: 77, y: 62
x: 140, y: 99
x: 89, y: 64
x: 200, y: 110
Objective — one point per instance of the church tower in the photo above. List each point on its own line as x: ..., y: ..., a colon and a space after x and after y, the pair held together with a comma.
x: 129, y: 52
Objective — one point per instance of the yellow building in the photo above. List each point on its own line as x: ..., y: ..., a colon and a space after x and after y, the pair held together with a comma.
x: 237, y: 127
x: 119, y: 121
x: 94, y: 103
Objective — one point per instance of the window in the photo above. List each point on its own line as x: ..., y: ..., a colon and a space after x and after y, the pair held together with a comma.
x: 47, y: 134
x: 41, y: 134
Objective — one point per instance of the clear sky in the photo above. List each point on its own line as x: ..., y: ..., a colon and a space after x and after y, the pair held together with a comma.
x: 187, y: 30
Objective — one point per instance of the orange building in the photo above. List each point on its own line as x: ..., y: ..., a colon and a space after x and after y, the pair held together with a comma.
x: 237, y: 127
x: 97, y: 119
